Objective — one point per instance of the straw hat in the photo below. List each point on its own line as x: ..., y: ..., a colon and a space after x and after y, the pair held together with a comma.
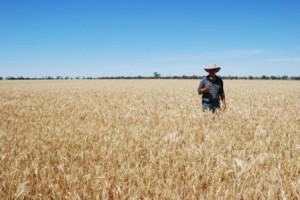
x: 210, y: 67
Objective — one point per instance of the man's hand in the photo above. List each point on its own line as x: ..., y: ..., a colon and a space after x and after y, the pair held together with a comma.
x: 224, y: 105
x: 205, y: 89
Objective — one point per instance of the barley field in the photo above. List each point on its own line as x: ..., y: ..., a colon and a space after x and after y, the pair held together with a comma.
x: 148, y: 139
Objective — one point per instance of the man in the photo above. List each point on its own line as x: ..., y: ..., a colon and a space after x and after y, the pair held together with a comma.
x: 211, y: 88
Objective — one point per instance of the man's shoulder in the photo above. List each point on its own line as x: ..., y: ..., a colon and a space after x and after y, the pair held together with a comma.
x: 219, y: 78
x: 204, y: 78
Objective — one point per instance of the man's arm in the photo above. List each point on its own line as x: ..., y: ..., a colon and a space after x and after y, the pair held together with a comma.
x: 223, y: 104
x: 222, y: 95
x: 202, y: 88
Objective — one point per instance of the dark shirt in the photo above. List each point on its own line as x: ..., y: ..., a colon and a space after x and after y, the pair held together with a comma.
x: 216, y: 89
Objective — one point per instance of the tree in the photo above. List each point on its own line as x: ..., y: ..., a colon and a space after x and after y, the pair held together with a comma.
x: 156, y: 75
x: 1, y: 78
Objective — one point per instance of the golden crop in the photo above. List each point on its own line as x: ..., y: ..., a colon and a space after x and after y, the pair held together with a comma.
x: 133, y: 139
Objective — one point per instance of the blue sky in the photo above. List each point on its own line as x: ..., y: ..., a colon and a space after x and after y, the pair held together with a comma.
x: 135, y: 37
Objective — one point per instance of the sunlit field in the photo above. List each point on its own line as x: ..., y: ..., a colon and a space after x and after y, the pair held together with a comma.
x: 148, y: 139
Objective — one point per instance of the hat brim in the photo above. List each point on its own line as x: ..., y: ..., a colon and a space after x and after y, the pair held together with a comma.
x: 208, y: 69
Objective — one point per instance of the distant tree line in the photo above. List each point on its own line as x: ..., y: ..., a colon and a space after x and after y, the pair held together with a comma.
x: 155, y: 76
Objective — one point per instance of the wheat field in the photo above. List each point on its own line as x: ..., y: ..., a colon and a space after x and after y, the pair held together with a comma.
x: 148, y: 139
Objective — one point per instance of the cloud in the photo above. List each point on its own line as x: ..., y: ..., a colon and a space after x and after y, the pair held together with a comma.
x: 194, y: 58
x: 244, y: 52
x: 285, y: 59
